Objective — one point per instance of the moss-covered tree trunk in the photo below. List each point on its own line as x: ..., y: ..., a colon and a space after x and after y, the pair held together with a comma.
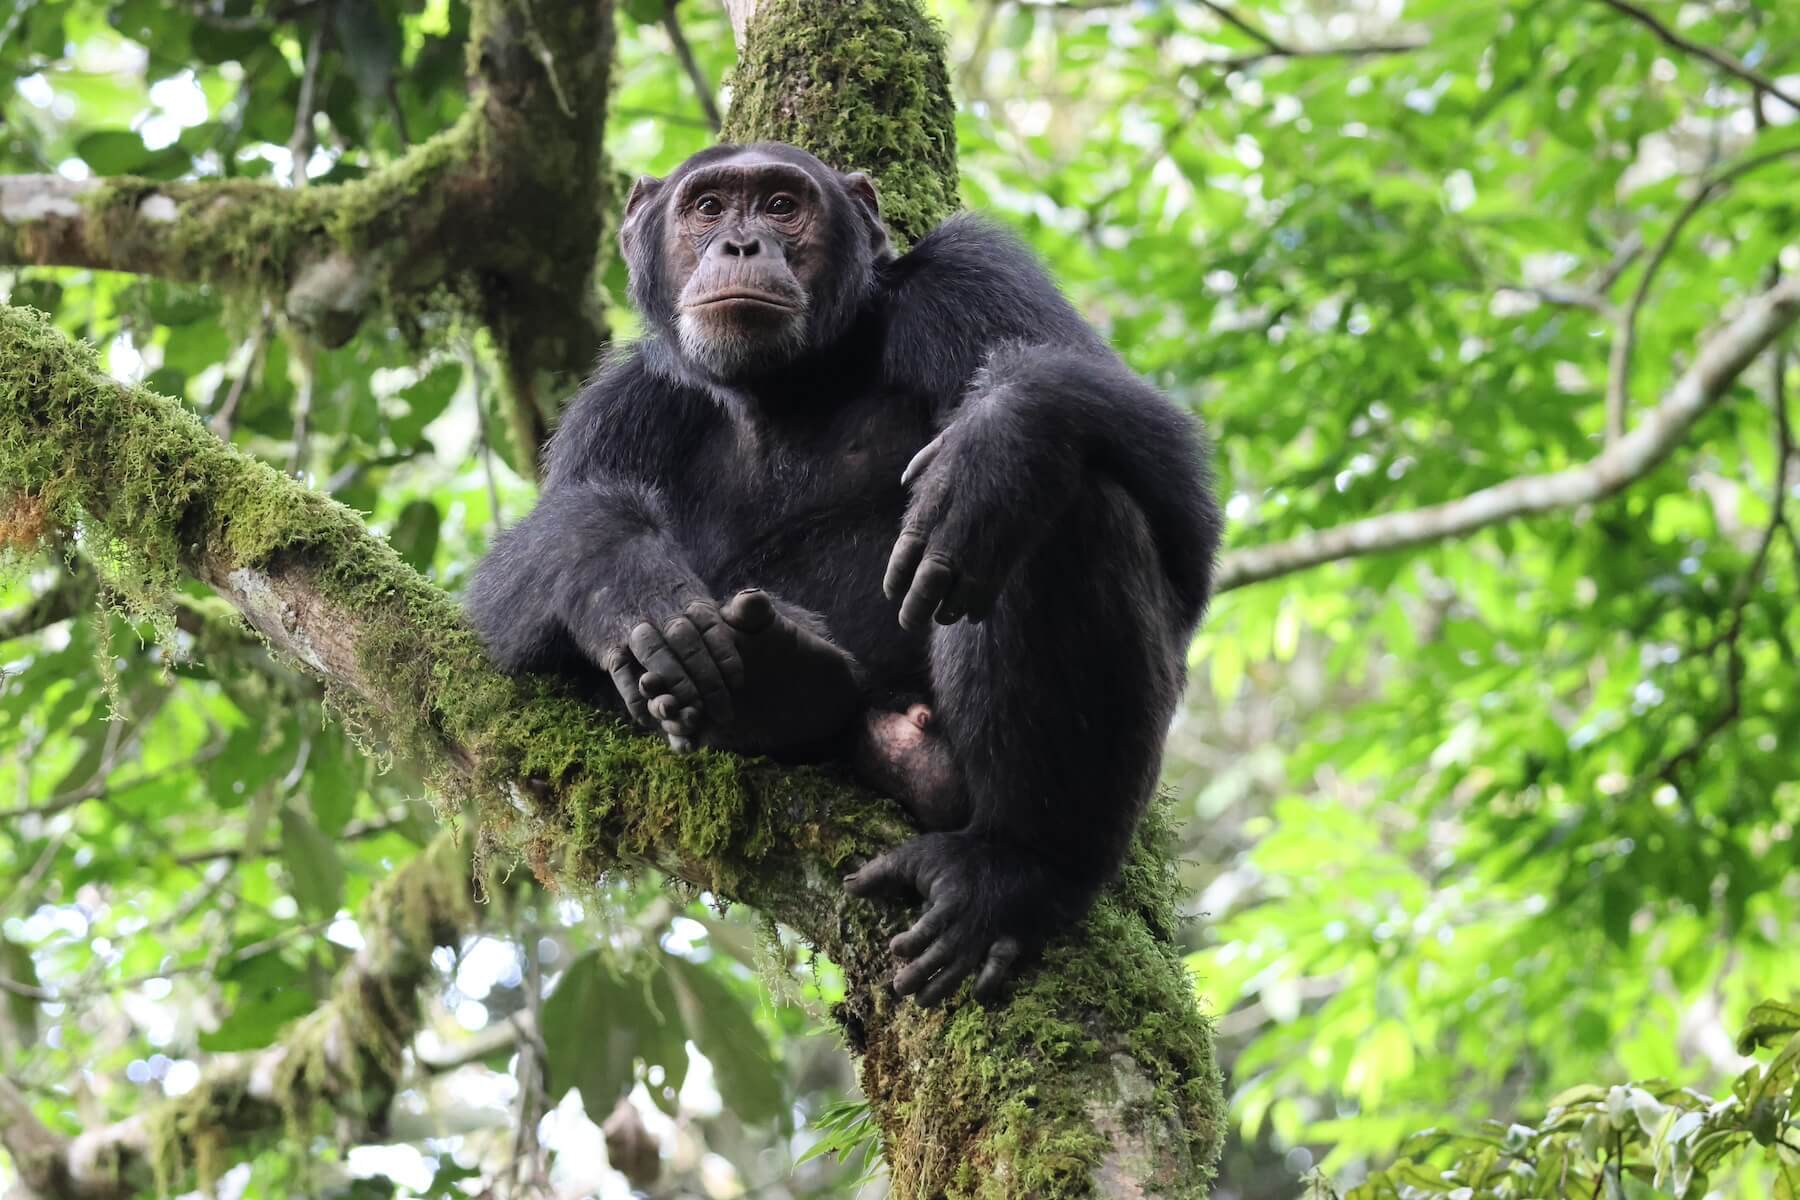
x: 1096, y: 1078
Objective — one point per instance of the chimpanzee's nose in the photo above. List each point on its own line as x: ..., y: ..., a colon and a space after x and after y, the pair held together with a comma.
x: 747, y: 247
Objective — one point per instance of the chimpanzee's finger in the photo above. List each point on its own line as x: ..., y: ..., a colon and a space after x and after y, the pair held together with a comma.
x: 925, y: 930
x: 719, y: 642
x: 946, y: 981
x: 908, y: 551
x: 624, y: 672
x: 1001, y: 957
x: 892, y: 874
x: 683, y: 637
x: 923, y: 459
x: 646, y: 642
x: 929, y: 587
x: 750, y: 611
x: 961, y: 600
x: 918, y: 973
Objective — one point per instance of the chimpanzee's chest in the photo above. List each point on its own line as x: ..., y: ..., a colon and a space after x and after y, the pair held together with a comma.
x: 808, y: 508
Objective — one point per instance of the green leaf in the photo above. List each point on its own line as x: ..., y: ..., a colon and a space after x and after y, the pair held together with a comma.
x: 113, y: 151
x: 415, y: 534
x: 314, y: 868
x: 425, y: 402
x: 1768, y: 1023
x: 258, y: 1021
x: 748, y: 1074
x: 590, y: 1033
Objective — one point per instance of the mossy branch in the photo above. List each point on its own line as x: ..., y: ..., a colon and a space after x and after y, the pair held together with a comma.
x: 343, y: 1062
x: 501, y: 215
x: 1100, y: 1066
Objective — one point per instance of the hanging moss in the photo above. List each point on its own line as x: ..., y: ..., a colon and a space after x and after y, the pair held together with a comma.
x: 861, y: 84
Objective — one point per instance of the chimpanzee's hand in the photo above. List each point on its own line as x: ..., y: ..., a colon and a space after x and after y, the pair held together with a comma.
x: 694, y: 657
x: 979, y: 505
x: 980, y: 914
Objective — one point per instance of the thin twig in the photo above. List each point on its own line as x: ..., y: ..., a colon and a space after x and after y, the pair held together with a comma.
x: 1717, y: 58
x: 472, y: 364
x: 703, y: 88
x: 303, y: 404
x: 1752, y: 576
x: 1618, y: 368
x: 1244, y: 27
x: 300, y: 145
x: 257, y: 343
x: 58, y: 602
x: 1364, y: 50
x: 26, y: 990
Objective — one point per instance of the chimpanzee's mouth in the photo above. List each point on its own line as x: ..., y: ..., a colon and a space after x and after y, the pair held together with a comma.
x: 743, y: 296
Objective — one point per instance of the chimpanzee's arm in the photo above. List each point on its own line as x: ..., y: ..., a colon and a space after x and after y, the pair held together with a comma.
x: 598, y: 564
x: 1036, y: 403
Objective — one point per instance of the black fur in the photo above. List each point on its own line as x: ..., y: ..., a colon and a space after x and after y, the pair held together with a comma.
x: 1067, y: 476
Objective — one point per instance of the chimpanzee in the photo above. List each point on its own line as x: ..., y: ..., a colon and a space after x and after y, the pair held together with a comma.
x: 811, y: 422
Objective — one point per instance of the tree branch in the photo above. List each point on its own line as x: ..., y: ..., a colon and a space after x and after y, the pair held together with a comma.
x: 507, y: 206
x: 1717, y: 58
x: 1131, y: 1089
x: 345, y: 1058
x: 1721, y: 359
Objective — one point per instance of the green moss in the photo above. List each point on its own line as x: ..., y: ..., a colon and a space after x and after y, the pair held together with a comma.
x: 1110, y: 1017
x: 861, y: 84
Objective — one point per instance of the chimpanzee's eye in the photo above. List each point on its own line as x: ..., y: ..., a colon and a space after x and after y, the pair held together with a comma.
x: 783, y: 206
x: 709, y: 205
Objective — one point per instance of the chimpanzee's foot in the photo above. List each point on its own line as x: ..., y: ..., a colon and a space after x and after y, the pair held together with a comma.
x: 799, y: 689
x: 903, y: 755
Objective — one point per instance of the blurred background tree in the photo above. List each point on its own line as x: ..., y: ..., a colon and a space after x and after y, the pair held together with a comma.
x: 1464, y: 820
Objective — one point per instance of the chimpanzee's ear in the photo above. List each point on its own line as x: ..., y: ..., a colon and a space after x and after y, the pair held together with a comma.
x: 644, y: 190
x: 861, y: 190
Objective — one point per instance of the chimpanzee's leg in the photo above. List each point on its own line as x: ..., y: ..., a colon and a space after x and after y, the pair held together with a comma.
x: 1054, y: 709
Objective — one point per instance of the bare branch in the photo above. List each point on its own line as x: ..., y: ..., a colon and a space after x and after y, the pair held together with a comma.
x: 300, y: 145
x: 37, y: 1153
x: 1717, y: 58
x: 1244, y: 27
x: 58, y: 602
x: 703, y: 88
x: 1362, y: 50
x: 1721, y: 359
